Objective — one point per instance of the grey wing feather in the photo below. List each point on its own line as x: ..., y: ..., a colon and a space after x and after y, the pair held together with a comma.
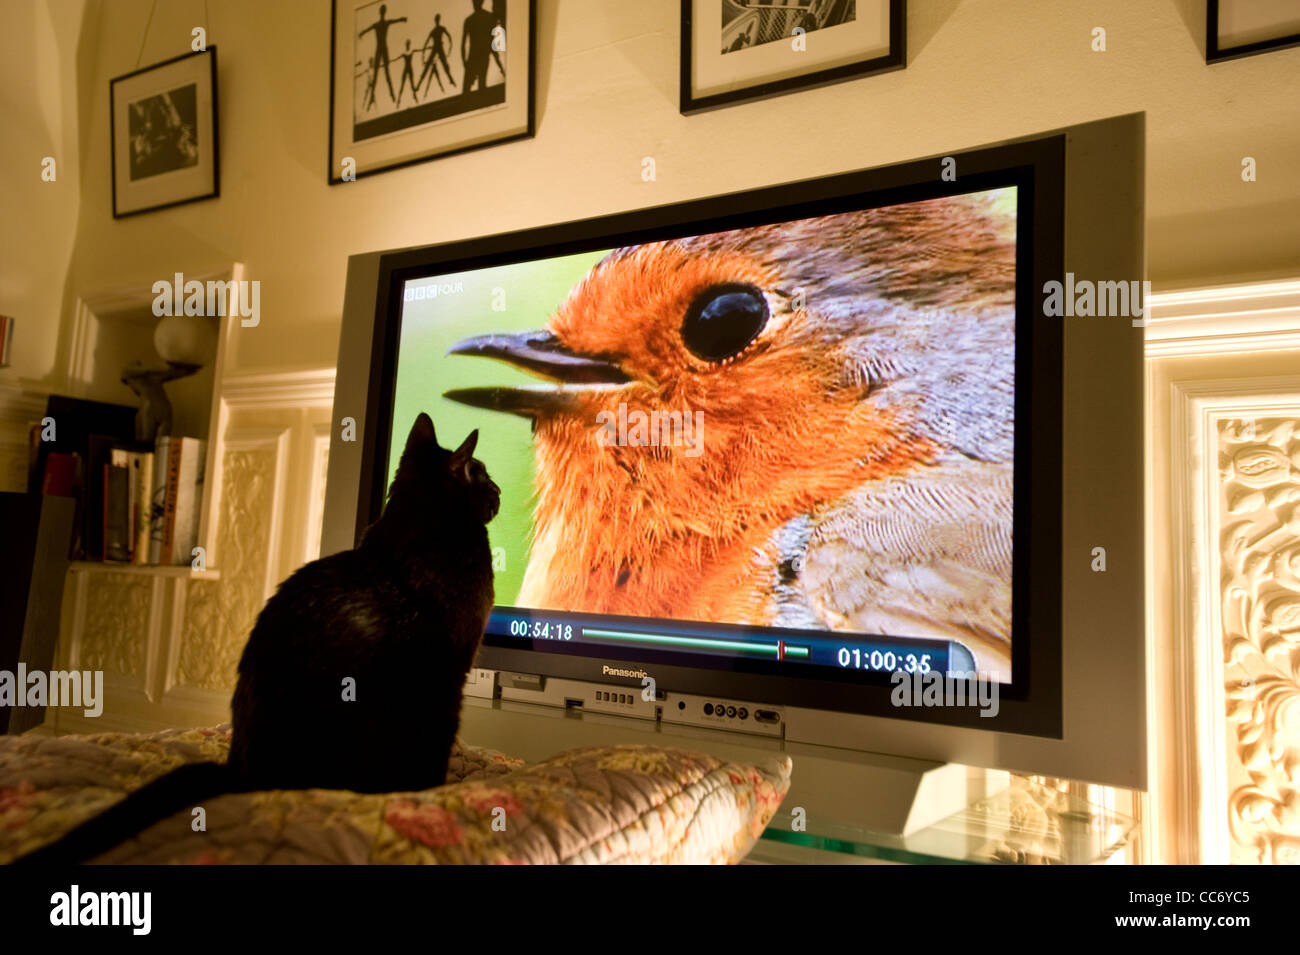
x: 926, y: 554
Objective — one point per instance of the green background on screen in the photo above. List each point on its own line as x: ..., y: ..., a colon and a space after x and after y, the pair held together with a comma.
x: 532, y: 291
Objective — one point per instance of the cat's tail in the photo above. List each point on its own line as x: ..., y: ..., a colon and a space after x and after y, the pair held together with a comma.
x: 182, y: 788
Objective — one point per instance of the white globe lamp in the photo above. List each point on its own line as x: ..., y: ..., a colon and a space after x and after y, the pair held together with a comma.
x: 185, y: 339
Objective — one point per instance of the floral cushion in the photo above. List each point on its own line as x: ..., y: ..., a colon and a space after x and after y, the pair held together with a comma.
x: 626, y: 803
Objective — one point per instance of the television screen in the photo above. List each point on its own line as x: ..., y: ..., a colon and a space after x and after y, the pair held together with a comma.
x: 818, y: 462
x: 787, y: 447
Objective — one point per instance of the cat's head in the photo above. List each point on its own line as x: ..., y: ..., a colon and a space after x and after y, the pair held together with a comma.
x: 454, y: 481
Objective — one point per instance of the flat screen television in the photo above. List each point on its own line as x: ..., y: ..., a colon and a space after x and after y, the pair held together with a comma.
x: 775, y: 461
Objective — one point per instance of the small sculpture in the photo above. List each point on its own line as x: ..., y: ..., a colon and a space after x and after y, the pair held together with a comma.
x: 155, y: 415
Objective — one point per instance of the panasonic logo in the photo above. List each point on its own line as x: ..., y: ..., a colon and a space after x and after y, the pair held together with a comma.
x: 616, y: 671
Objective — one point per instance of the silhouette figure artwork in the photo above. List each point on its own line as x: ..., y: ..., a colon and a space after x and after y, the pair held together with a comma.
x: 380, y: 28
x: 436, y: 46
x: 476, y: 46
x: 369, y: 97
x: 419, y: 40
x: 498, y: 24
x: 407, y: 71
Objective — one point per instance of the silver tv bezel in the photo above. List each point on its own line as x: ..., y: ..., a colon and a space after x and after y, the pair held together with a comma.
x: 1102, y: 665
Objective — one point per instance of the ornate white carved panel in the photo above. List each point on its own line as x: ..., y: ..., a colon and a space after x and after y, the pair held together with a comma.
x: 109, y: 640
x: 1224, y: 566
x: 219, y: 614
x: 320, y: 459
x: 1259, y: 546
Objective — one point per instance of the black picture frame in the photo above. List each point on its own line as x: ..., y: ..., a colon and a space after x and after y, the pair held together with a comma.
x: 895, y: 59
x: 333, y: 172
x: 213, y: 156
x: 1216, y: 54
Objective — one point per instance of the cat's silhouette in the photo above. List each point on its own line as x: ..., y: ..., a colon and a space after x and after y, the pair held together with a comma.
x: 352, y: 677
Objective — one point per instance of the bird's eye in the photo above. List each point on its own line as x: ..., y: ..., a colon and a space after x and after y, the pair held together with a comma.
x: 723, y: 319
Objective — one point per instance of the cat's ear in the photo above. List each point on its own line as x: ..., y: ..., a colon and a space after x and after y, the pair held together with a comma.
x: 421, y: 433
x: 465, y: 451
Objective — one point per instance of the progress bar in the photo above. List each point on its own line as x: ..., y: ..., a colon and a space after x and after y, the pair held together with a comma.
x: 779, y: 650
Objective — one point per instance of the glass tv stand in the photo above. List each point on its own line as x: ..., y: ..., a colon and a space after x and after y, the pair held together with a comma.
x: 1031, y: 823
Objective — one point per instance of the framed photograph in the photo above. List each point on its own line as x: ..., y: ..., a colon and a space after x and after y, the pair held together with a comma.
x: 1236, y: 28
x: 738, y: 50
x: 412, y: 80
x: 163, y: 130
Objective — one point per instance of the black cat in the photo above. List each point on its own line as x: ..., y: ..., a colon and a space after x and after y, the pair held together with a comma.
x: 352, y: 677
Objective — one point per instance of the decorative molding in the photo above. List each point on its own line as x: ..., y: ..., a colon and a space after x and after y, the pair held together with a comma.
x: 1224, y: 320
x: 1205, y: 487
x: 1194, y: 741
x: 19, y: 407
x: 110, y: 638
x: 1195, y: 785
x: 1259, y: 542
x: 320, y: 457
x: 93, y: 308
x: 220, y: 615
x: 132, y: 295
x: 144, y: 570
x: 302, y: 388
x: 81, y: 349
x: 22, y: 403
x: 217, y: 420
x: 263, y: 391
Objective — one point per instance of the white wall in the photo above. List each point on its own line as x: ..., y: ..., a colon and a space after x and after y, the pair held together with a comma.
x: 979, y: 70
x: 38, y: 219
x: 42, y: 60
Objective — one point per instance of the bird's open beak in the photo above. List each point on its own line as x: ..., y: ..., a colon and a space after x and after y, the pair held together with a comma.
x: 542, y: 353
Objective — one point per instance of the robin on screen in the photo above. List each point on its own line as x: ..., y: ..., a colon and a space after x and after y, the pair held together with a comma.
x: 804, y: 424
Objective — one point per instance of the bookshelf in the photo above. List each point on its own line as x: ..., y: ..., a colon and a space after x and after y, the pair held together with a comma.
x: 168, y: 638
x: 148, y: 570
x: 112, y: 327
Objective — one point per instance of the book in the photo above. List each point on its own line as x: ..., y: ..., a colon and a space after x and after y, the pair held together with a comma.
x: 119, y: 457
x: 158, y: 495
x: 189, y: 494
x: 117, y: 538
x: 80, y: 429
x: 176, y: 493
x: 132, y: 455
x: 99, y: 449
x: 71, y: 422
x: 167, y: 552
x: 60, y: 474
x: 142, y: 496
